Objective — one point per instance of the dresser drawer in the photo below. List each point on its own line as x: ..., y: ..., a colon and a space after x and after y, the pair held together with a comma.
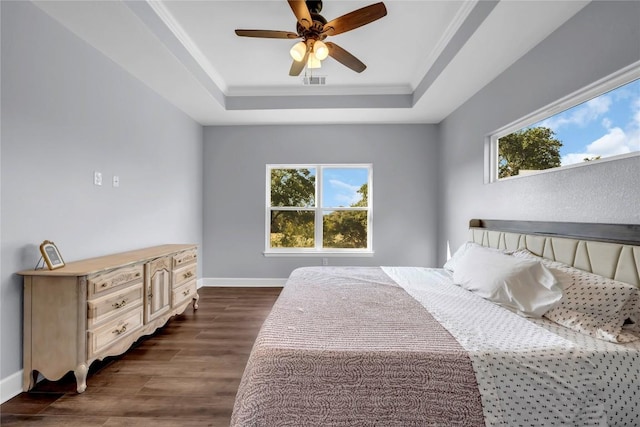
x: 185, y: 257
x: 113, y: 331
x: 183, y: 293
x: 184, y: 274
x: 103, y: 282
x: 105, y: 307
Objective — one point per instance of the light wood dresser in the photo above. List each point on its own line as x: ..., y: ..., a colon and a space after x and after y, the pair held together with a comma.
x: 98, y: 307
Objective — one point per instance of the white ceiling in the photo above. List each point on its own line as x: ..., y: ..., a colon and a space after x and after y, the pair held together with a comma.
x: 424, y: 59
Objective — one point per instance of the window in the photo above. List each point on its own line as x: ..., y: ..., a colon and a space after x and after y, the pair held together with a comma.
x: 318, y: 209
x: 600, y: 122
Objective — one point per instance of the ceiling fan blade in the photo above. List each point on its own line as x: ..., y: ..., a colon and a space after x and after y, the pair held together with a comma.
x: 267, y: 34
x: 355, y: 19
x: 301, y: 11
x: 297, y: 67
x: 345, y: 58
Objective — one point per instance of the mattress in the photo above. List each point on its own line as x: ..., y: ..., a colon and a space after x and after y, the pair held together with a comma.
x: 348, y: 346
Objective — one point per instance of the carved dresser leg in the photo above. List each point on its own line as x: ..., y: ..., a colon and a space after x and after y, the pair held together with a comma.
x: 195, y: 301
x: 81, y: 372
x: 28, y: 379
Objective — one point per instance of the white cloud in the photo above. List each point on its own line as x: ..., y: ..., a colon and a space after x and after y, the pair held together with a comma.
x: 581, y: 115
x: 347, y: 194
x: 616, y: 141
x: 573, y: 158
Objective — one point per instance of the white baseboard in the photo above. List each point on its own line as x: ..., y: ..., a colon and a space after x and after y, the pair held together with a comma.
x: 241, y: 282
x: 10, y: 386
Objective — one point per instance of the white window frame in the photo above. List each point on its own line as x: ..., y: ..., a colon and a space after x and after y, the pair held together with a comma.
x: 318, y: 250
x: 613, y: 81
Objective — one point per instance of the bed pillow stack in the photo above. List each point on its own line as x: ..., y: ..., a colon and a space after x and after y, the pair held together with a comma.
x: 593, y: 305
x: 522, y: 285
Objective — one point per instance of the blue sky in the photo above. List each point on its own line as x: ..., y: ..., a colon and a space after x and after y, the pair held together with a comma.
x: 604, y: 126
x: 341, y: 185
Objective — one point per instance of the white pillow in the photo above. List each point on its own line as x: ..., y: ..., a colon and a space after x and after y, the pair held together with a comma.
x: 563, y: 273
x: 451, y: 264
x: 593, y: 305
x: 596, y: 306
x: 522, y: 285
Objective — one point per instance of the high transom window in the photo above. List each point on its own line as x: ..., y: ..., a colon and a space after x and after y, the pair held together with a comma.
x: 318, y: 208
x: 601, y: 122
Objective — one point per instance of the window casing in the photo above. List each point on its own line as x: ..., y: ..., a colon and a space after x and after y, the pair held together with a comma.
x: 321, y: 209
x: 590, y: 105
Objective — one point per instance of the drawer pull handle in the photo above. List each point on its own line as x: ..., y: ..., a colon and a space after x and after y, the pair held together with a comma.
x: 104, y: 285
x: 120, y: 304
x: 187, y: 292
x: 121, y: 330
x: 187, y: 274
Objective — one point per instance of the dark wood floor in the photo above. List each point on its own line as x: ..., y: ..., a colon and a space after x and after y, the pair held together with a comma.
x: 186, y: 374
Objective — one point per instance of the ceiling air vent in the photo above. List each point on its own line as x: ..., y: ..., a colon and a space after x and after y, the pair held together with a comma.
x: 314, y: 80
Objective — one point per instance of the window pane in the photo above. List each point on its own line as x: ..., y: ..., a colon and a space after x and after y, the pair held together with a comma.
x: 344, y: 187
x: 292, y: 229
x: 344, y: 229
x: 293, y: 187
x: 525, y: 150
x: 605, y: 126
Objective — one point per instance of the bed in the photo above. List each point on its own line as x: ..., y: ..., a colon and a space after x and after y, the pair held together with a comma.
x: 406, y: 346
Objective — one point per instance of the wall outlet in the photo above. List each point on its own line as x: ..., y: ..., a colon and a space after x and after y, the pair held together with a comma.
x: 325, y: 261
x: 97, y: 178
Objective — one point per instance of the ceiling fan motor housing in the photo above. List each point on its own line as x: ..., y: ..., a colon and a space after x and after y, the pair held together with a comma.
x: 314, y: 32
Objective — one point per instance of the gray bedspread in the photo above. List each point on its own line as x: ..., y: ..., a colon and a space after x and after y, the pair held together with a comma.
x: 349, y: 347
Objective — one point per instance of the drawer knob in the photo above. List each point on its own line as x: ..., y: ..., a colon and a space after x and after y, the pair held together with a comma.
x: 187, y: 292
x: 120, y: 304
x: 121, y: 330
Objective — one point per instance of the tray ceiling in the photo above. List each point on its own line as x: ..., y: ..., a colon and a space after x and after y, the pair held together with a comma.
x: 424, y: 59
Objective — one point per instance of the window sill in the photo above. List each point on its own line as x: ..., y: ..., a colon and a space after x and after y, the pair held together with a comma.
x: 318, y: 254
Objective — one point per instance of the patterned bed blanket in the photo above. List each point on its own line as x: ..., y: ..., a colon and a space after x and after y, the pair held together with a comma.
x: 347, y: 347
x: 350, y: 347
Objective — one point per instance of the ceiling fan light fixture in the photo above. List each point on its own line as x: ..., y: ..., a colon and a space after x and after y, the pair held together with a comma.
x: 313, y: 62
x: 298, y: 51
x: 320, y: 50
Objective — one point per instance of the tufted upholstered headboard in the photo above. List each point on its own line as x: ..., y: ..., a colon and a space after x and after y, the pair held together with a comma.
x: 609, y: 250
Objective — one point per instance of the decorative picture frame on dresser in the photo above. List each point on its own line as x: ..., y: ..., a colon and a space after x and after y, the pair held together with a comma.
x: 51, y: 255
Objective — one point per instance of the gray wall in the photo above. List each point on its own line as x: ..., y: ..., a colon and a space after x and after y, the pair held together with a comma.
x: 405, y: 180
x: 66, y: 111
x: 601, y: 39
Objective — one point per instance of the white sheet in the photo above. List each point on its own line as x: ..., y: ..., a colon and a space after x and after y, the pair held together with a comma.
x: 618, y: 368
x: 526, y: 374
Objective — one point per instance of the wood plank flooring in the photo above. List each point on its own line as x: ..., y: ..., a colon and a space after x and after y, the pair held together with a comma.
x: 186, y: 374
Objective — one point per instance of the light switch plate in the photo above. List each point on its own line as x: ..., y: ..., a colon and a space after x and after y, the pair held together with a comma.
x: 116, y: 181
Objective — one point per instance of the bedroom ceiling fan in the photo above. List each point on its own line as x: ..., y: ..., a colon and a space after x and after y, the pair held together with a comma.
x: 313, y: 28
